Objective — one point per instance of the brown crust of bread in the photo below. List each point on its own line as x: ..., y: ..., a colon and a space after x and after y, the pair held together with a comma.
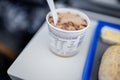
x: 110, y: 64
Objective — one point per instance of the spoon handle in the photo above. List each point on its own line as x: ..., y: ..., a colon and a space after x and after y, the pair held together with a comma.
x: 52, y: 8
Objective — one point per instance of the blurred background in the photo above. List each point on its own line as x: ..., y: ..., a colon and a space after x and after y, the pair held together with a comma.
x: 20, y: 20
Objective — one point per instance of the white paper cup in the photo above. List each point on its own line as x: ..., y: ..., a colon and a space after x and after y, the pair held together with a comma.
x: 66, y: 43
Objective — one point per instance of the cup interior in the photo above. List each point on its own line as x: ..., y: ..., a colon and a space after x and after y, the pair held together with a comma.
x: 73, y: 11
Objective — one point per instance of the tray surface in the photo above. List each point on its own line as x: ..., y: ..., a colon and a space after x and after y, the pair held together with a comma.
x: 97, y: 48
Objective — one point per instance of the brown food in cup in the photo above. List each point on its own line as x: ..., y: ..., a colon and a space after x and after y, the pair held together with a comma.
x: 69, y: 21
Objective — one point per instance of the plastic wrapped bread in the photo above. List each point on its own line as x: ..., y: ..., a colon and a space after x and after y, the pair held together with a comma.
x: 110, y: 64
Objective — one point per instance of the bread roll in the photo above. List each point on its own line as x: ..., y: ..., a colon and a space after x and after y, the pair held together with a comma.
x: 110, y: 64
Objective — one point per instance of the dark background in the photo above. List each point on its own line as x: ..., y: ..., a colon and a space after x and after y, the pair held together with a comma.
x: 20, y: 20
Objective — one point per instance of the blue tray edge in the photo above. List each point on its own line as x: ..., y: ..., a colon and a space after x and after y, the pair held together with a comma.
x: 92, y: 51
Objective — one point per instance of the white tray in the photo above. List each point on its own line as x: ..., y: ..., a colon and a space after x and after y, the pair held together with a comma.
x: 36, y: 62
